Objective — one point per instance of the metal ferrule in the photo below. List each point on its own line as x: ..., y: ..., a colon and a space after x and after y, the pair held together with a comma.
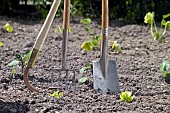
x: 33, y: 58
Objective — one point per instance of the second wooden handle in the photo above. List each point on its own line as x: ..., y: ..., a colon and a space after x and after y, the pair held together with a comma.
x: 105, y: 18
x: 66, y: 17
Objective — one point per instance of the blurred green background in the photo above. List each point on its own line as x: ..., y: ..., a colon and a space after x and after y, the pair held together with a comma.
x: 130, y: 11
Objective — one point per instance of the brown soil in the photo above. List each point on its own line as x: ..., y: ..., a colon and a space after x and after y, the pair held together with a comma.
x: 137, y: 65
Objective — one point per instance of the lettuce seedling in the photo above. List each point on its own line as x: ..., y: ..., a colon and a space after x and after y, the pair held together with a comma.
x: 95, y: 40
x: 1, y: 44
x: 83, y: 69
x: 8, y: 28
x: 116, y: 46
x: 165, y: 68
x: 57, y: 94
x: 20, y: 60
x: 126, y: 96
x: 86, y: 46
x: 155, y: 33
x: 83, y: 80
x: 85, y: 21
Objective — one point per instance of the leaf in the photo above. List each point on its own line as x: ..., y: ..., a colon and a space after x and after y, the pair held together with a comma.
x: 149, y: 18
x: 27, y: 55
x: 1, y: 44
x: 14, y: 71
x: 8, y: 27
x: 95, y: 41
x: 85, y: 68
x: 163, y: 22
x: 13, y: 63
x: 60, y: 29
x: 126, y: 96
x: 166, y: 16
x: 116, y: 46
x: 87, y: 28
x: 164, y: 66
x: 69, y: 29
x: 166, y: 73
x: 83, y: 80
x: 168, y: 25
x: 86, y: 46
x: 57, y: 94
x: 85, y: 21
x: 18, y: 56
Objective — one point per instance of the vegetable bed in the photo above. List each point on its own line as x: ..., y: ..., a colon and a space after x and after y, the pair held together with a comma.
x: 137, y: 64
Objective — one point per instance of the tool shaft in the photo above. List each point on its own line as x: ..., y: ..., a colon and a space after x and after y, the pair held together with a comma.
x: 66, y: 20
x: 105, y: 19
x: 46, y: 26
x: 104, y: 41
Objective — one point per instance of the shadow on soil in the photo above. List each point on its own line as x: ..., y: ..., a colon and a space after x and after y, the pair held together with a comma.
x: 13, y: 107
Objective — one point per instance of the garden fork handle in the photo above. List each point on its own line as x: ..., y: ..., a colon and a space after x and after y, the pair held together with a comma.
x: 66, y: 21
x: 43, y: 33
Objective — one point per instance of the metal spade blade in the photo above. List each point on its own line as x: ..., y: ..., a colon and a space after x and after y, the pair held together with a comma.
x: 104, y: 70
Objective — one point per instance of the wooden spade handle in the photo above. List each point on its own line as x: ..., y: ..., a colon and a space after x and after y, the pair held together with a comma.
x: 44, y: 30
x: 104, y: 41
x: 105, y: 19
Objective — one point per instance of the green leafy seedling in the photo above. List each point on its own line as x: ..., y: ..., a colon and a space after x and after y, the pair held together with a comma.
x: 1, y: 44
x: 90, y: 45
x: 20, y: 60
x: 116, y: 46
x: 165, y: 68
x: 126, y: 96
x: 155, y: 33
x: 14, y: 71
x: 8, y: 28
x: 87, y: 46
x: 57, y: 94
x: 83, y: 69
x: 83, y: 80
x: 95, y: 40
x: 85, y: 21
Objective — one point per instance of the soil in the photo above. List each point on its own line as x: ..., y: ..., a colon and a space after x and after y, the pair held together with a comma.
x: 137, y: 66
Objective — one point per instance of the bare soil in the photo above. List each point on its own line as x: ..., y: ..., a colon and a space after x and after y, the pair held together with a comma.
x: 137, y: 65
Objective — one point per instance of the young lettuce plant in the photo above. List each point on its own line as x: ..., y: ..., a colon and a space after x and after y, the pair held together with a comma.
x: 83, y: 80
x: 116, y: 46
x: 126, y: 96
x: 155, y: 33
x: 83, y: 69
x: 8, y: 28
x: 94, y: 42
x: 57, y: 94
x: 20, y: 60
x: 1, y: 44
x: 165, y: 69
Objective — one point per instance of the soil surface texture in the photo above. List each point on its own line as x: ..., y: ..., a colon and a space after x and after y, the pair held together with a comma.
x: 137, y: 66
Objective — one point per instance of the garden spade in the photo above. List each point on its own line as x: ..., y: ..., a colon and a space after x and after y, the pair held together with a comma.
x: 67, y: 74
x: 39, y: 42
x: 104, y: 70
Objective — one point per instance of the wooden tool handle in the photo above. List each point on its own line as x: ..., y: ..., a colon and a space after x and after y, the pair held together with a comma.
x: 66, y: 17
x: 105, y: 19
x: 44, y: 30
x: 104, y: 41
